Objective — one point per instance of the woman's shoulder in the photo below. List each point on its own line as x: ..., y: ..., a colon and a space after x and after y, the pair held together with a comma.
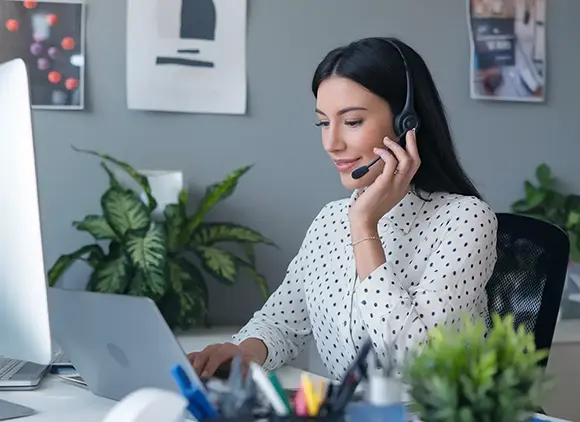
x: 461, y: 209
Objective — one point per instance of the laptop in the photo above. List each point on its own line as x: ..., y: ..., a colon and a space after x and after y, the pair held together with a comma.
x: 117, y: 343
x: 20, y: 375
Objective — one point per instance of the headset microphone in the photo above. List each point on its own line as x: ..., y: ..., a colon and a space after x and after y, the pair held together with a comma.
x: 405, y: 121
x: 362, y: 170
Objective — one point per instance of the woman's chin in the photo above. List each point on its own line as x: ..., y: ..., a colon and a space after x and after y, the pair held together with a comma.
x: 352, y: 184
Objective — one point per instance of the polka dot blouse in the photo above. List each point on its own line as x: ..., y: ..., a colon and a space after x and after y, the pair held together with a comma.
x: 439, y: 255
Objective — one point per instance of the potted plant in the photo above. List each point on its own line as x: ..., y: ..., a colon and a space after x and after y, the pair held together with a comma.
x: 466, y: 376
x: 136, y: 254
x: 544, y: 201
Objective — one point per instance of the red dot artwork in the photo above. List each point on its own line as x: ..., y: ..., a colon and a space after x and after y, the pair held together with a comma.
x: 12, y: 25
x: 30, y: 4
x: 71, y: 84
x: 54, y: 77
x: 52, y: 19
x: 68, y: 43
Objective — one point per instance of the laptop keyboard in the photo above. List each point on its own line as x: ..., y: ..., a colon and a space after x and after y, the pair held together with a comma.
x: 9, y: 367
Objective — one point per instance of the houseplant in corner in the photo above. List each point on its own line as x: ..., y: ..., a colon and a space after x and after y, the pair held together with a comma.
x: 135, y: 254
x: 545, y: 201
x: 459, y: 375
x: 542, y: 200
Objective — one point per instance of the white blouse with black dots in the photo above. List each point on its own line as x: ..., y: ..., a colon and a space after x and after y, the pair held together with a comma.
x: 440, y: 254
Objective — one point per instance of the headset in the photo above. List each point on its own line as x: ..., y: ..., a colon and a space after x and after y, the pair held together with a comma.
x: 405, y: 121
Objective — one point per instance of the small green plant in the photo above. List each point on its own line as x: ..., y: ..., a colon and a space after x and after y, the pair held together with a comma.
x: 134, y: 254
x: 544, y: 201
x: 462, y: 376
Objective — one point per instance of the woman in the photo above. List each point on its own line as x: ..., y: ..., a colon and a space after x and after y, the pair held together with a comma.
x: 411, y: 249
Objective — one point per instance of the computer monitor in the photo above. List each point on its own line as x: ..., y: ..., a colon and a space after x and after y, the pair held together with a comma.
x: 24, y: 320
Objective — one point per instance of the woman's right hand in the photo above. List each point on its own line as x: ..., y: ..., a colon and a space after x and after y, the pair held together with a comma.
x: 215, y: 358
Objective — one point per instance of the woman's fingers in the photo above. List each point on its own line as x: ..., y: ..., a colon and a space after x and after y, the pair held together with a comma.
x: 412, y: 150
x: 404, y: 161
x: 389, y: 159
x: 199, y: 359
x: 220, y: 356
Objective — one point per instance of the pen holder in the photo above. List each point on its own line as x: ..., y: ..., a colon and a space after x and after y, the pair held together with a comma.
x: 366, y: 412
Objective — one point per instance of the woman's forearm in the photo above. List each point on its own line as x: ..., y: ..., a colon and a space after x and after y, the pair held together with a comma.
x: 256, y: 348
x: 368, y: 250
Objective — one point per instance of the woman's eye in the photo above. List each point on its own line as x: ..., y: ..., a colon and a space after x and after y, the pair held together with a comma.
x: 324, y: 124
x: 353, y: 123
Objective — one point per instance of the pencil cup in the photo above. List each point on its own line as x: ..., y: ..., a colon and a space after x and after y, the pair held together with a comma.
x: 365, y: 412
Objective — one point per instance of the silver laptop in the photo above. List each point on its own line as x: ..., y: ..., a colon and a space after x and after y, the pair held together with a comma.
x: 20, y: 375
x: 117, y: 343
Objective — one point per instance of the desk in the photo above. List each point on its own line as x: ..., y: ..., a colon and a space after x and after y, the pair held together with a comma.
x: 57, y: 400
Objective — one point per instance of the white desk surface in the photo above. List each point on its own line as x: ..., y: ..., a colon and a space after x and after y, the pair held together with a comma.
x: 57, y: 400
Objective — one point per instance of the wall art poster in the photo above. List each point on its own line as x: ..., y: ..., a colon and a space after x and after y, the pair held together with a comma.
x: 187, y: 56
x: 50, y: 37
x: 508, y: 49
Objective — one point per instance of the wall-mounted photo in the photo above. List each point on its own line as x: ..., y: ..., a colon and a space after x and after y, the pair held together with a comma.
x: 187, y: 56
x: 49, y: 37
x: 508, y: 49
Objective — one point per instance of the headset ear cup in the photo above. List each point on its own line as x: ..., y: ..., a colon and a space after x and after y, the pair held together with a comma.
x: 405, y: 122
x: 399, y: 128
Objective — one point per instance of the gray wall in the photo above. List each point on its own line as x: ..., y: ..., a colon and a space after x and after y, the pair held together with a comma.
x: 499, y: 143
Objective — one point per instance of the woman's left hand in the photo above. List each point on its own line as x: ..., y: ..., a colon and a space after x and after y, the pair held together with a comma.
x: 390, y: 186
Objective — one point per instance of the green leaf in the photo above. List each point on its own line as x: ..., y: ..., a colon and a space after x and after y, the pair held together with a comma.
x: 208, y: 234
x: 112, y: 274
x: 124, y: 211
x: 95, y: 257
x: 141, y: 180
x: 213, y: 194
x: 259, y: 279
x: 573, y: 219
x: 149, y: 284
x: 182, y: 200
x: 113, y: 182
x: 534, y: 196
x: 185, y: 302
x: 64, y: 262
x: 574, y: 246
x: 219, y: 263
x: 148, y: 256
x: 96, y: 226
x: 175, y: 224
x: 544, y: 175
x: 522, y: 207
x: 248, y: 249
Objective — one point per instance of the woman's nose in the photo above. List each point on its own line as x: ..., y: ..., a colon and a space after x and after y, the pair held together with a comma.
x: 332, y: 140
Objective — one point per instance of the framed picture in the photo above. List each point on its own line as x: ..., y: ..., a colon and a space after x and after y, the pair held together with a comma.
x: 50, y: 37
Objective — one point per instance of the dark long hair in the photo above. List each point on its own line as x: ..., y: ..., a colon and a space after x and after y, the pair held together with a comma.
x: 376, y: 65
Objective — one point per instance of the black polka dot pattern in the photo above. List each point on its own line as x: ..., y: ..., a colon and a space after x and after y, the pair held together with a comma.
x: 439, y: 256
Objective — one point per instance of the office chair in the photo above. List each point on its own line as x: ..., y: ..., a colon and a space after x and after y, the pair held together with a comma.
x: 529, y: 275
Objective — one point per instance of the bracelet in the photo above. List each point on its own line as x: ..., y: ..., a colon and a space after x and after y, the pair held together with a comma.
x: 365, y: 238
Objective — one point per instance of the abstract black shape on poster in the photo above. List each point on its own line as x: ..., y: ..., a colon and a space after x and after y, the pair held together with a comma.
x: 197, y: 21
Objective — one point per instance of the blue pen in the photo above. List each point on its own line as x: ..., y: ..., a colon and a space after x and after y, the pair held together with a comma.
x: 199, y: 405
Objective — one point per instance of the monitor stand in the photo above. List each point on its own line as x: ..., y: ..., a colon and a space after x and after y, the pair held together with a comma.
x: 10, y: 410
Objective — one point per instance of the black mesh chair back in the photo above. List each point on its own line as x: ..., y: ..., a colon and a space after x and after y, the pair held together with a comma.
x: 529, y: 274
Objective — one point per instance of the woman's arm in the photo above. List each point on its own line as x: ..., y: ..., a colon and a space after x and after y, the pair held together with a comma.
x: 368, y: 250
x: 279, y: 331
x: 452, y: 285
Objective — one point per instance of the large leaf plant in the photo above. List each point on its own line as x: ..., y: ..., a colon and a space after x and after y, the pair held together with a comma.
x: 163, y: 259
x: 544, y: 201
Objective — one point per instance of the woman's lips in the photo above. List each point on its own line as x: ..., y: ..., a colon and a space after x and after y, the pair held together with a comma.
x: 346, y: 164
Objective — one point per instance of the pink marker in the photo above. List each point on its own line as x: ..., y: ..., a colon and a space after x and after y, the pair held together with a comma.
x: 300, y: 407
